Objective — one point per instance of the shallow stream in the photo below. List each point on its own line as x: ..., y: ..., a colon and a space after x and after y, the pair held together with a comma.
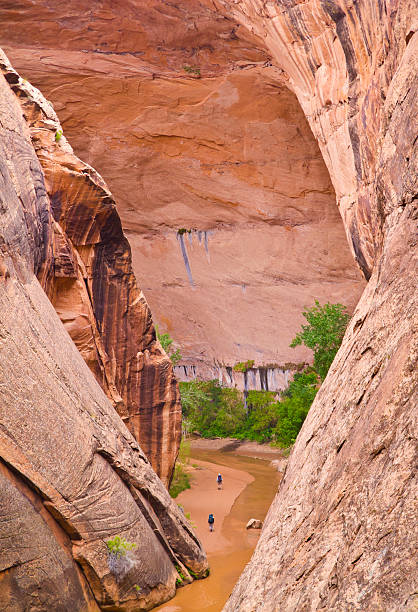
x: 226, y: 565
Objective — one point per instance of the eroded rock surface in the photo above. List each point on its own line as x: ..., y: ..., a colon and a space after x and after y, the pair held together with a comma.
x: 87, y: 275
x: 339, y: 534
x: 226, y: 152
x: 72, y: 476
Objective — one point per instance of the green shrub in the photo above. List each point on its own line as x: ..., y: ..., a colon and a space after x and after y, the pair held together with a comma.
x: 58, y: 135
x: 181, y: 479
x: 244, y: 366
x: 180, y: 482
x: 166, y: 341
x: 119, y: 547
x: 191, y: 70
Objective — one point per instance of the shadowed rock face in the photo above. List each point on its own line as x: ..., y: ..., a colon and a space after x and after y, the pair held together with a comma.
x: 86, y: 272
x: 227, y: 153
x: 339, y: 534
x: 71, y: 475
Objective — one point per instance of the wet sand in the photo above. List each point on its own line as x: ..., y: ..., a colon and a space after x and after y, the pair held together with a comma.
x: 249, y: 488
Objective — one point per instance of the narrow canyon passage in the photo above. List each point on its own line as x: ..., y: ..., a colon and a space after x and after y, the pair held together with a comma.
x: 248, y: 147
x: 249, y: 488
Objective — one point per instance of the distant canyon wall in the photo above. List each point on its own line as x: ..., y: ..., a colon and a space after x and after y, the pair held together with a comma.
x: 187, y: 115
x: 338, y: 535
x: 87, y: 275
x: 263, y: 378
x: 72, y: 477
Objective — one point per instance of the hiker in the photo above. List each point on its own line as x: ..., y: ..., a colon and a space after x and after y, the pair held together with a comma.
x: 219, y: 481
x: 211, y: 521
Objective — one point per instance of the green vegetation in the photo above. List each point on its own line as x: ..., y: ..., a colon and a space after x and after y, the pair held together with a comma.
x: 181, y: 479
x: 244, y: 366
x: 210, y: 409
x: 222, y: 413
x: 181, y: 578
x: 137, y: 588
x: 216, y: 411
x: 323, y: 334
x: 183, y: 230
x: 58, y: 135
x: 294, y: 406
x: 191, y: 70
x: 166, y: 341
x: 119, y: 547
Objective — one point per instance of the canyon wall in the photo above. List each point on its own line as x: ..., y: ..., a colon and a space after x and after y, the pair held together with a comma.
x: 72, y: 476
x: 262, y: 378
x: 187, y: 116
x: 340, y: 535
x: 87, y: 275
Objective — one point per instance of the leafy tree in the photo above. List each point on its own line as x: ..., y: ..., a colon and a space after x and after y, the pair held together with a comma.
x: 166, y: 341
x: 192, y: 395
x: 323, y: 334
x: 211, y: 409
x: 294, y: 406
x: 261, y: 419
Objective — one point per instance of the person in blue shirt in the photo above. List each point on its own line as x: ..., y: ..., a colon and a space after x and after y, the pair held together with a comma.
x: 211, y: 521
x: 219, y: 481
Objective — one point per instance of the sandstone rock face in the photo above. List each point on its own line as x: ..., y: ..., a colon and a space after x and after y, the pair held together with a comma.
x: 87, y: 275
x: 72, y: 476
x: 339, y: 534
x: 226, y: 153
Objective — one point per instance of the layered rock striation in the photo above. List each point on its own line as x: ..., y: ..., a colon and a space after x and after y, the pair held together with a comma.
x: 72, y: 476
x: 87, y: 274
x: 194, y: 127
x: 339, y: 534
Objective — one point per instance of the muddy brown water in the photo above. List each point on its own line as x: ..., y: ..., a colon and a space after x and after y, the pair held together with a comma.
x: 211, y: 594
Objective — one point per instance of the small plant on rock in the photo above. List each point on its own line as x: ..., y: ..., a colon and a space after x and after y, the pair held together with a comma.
x: 166, y: 341
x: 191, y: 70
x: 58, y: 135
x: 119, y: 546
x: 244, y: 366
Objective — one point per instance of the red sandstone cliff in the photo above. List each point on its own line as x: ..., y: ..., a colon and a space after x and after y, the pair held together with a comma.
x: 340, y: 533
x: 72, y: 476
x: 87, y: 275
x: 226, y: 152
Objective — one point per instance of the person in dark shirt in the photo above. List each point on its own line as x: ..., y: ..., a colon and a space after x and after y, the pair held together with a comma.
x: 211, y: 521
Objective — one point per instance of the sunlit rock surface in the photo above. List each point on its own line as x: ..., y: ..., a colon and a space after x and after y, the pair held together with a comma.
x: 72, y: 476
x: 339, y: 534
x: 225, y: 152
